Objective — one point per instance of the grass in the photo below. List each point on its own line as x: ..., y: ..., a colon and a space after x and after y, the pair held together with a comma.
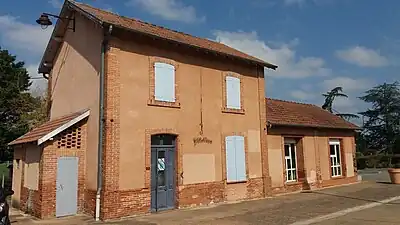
x: 3, y: 170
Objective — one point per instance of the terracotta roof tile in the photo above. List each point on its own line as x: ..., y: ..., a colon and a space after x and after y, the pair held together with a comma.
x: 36, y: 133
x: 280, y: 112
x: 168, y: 34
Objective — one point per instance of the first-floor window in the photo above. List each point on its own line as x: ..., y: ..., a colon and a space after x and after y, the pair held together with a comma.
x: 164, y: 82
x: 334, y: 151
x: 232, y: 92
x: 290, y: 160
x: 235, y: 159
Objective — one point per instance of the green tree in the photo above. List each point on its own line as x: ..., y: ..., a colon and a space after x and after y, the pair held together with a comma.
x: 382, y: 125
x: 329, y: 99
x: 361, y: 142
x: 39, y: 114
x: 15, y: 101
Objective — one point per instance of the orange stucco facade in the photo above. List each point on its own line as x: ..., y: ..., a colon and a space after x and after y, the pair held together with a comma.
x: 74, y: 83
x: 314, y: 149
x: 199, y: 84
x: 75, y: 86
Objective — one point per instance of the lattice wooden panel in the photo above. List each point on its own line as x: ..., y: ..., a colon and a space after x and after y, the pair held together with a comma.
x: 70, y: 138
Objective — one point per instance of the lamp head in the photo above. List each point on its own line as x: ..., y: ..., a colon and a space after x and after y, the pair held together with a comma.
x: 44, y: 21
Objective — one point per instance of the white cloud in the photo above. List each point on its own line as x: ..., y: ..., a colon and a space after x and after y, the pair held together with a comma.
x: 39, y: 86
x: 56, y: 3
x: 362, y: 56
x: 348, y: 105
x: 343, y: 103
x: 302, y: 95
x: 347, y: 83
x: 312, y: 93
x: 29, y: 38
x: 169, y: 9
x: 29, y: 42
x: 353, y: 88
x: 283, y: 55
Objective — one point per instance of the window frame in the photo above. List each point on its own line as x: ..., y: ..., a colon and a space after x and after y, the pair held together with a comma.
x: 291, y: 142
x: 225, y: 108
x: 335, y: 160
x: 152, y: 101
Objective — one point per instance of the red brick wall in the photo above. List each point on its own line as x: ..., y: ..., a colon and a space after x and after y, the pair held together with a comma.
x: 111, y: 148
x: 255, y: 188
x: 34, y: 207
x: 133, y: 202
x: 200, y: 194
x: 263, y: 135
x: 48, y: 171
x: 90, y: 202
x: 338, y: 181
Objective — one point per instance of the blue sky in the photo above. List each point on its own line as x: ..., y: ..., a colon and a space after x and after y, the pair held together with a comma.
x: 317, y: 44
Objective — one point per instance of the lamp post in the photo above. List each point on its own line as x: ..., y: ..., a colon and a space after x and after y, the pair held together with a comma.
x: 44, y: 20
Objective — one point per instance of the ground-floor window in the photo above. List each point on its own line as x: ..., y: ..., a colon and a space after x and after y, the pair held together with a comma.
x: 334, y: 151
x: 290, y: 160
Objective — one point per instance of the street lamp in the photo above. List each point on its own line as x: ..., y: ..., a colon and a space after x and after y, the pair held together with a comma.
x: 44, y: 20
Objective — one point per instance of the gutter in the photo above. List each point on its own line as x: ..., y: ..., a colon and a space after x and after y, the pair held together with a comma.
x: 104, y: 47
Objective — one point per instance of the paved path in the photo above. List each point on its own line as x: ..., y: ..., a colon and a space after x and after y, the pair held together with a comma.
x: 387, y: 214
x: 378, y: 175
x: 285, y: 210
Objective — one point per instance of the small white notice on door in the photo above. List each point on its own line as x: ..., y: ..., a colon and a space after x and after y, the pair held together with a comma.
x: 161, y: 164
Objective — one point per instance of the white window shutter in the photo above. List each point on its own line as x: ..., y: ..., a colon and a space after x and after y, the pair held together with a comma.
x: 230, y: 159
x: 232, y: 92
x: 164, y: 82
x: 235, y: 159
x: 240, y: 159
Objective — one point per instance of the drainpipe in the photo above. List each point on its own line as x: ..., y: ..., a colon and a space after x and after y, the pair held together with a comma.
x: 104, y: 47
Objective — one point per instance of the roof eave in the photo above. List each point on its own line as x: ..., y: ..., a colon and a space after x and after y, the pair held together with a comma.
x: 260, y: 62
x: 63, y: 127
x: 96, y: 19
x: 42, y: 68
x: 314, y: 126
x: 71, y: 5
x: 54, y: 132
x: 67, y: 5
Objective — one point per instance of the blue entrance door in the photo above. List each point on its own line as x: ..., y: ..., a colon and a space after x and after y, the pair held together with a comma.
x: 162, y: 172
